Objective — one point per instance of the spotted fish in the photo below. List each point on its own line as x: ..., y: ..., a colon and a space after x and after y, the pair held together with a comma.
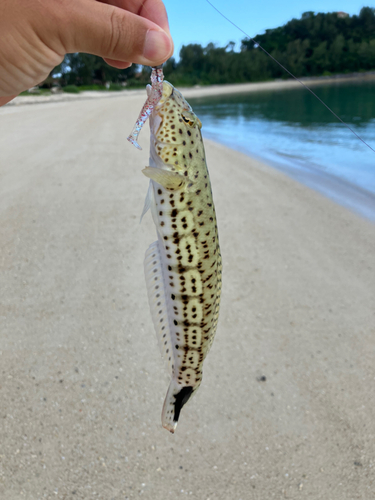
x: 183, y: 267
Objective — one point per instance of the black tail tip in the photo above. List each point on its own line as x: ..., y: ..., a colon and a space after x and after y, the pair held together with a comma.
x: 181, y: 399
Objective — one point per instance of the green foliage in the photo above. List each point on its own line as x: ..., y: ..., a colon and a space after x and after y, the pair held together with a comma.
x: 91, y: 87
x: 38, y: 91
x: 321, y: 43
x: 85, y: 69
x: 115, y: 87
x: 72, y: 89
x: 316, y: 44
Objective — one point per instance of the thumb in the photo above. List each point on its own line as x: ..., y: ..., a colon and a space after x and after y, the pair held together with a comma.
x: 114, y: 33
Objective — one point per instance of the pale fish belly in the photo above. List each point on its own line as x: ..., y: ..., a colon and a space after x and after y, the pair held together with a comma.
x: 183, y: 275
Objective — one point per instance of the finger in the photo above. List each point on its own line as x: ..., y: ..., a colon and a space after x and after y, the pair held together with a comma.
x: 114, y: 33
x: 5, y: 99
x: 154, y: 10
x: 117, y: 64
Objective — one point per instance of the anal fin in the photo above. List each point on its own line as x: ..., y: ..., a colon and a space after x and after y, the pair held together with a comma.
x: 158, y: 302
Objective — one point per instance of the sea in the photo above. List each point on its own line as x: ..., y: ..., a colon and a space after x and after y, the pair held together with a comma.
x: 293, y: 132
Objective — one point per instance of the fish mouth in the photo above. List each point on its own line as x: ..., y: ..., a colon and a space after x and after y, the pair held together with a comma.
x: 155, y: 117
x: 165, y: 84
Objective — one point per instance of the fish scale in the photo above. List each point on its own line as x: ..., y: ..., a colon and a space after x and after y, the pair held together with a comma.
x: 183, y: 267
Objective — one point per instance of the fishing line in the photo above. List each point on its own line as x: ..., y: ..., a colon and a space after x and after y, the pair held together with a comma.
x: 291, y: 74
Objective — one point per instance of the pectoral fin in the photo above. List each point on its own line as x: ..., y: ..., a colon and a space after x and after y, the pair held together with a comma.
x: 166, y: 178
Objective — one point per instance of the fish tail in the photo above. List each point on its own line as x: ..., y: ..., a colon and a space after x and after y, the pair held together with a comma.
x: 177, y: 396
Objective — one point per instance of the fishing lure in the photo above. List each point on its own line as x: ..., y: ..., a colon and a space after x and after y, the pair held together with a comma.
x: 154, y: 93
x: 183, y: 266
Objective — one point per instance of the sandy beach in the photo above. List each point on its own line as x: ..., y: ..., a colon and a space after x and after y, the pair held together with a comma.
x: 286, y: 408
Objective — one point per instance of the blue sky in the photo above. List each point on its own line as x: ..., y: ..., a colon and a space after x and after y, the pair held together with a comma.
x: 195, y: 21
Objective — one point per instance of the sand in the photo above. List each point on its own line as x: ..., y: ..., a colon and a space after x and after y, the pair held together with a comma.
x: 287, y: 404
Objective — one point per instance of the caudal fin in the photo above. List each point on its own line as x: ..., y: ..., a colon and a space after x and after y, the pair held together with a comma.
x: 175, y: 399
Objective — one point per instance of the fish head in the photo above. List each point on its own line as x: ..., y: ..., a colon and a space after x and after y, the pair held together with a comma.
x: 175, y: 129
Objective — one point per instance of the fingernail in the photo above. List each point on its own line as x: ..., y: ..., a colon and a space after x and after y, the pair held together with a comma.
x: 157, y: 46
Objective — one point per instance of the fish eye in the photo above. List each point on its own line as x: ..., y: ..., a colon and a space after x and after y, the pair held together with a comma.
x: 189, y: 118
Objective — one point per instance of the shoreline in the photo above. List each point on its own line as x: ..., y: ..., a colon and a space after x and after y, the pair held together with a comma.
x: 198, y: 91
x: 241, y: 88
x: 344, y: 193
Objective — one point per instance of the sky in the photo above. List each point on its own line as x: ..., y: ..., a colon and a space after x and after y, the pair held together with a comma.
x: 195, y: 21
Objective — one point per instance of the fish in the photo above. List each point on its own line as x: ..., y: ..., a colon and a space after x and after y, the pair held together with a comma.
x: 183, y: 267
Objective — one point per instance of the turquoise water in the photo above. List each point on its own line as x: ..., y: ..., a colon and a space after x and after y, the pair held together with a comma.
x: 292, y: 131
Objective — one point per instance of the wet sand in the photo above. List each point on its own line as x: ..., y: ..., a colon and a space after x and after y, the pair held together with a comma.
x: 286, y: 408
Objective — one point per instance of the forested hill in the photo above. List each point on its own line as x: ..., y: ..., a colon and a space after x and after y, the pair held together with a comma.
x: 316, y: 44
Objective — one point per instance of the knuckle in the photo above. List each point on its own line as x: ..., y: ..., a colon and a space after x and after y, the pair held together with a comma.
x: 114, y: 42
x: 125, y: 39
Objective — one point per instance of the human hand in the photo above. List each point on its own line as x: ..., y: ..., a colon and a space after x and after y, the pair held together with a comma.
x: 36, y: 34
